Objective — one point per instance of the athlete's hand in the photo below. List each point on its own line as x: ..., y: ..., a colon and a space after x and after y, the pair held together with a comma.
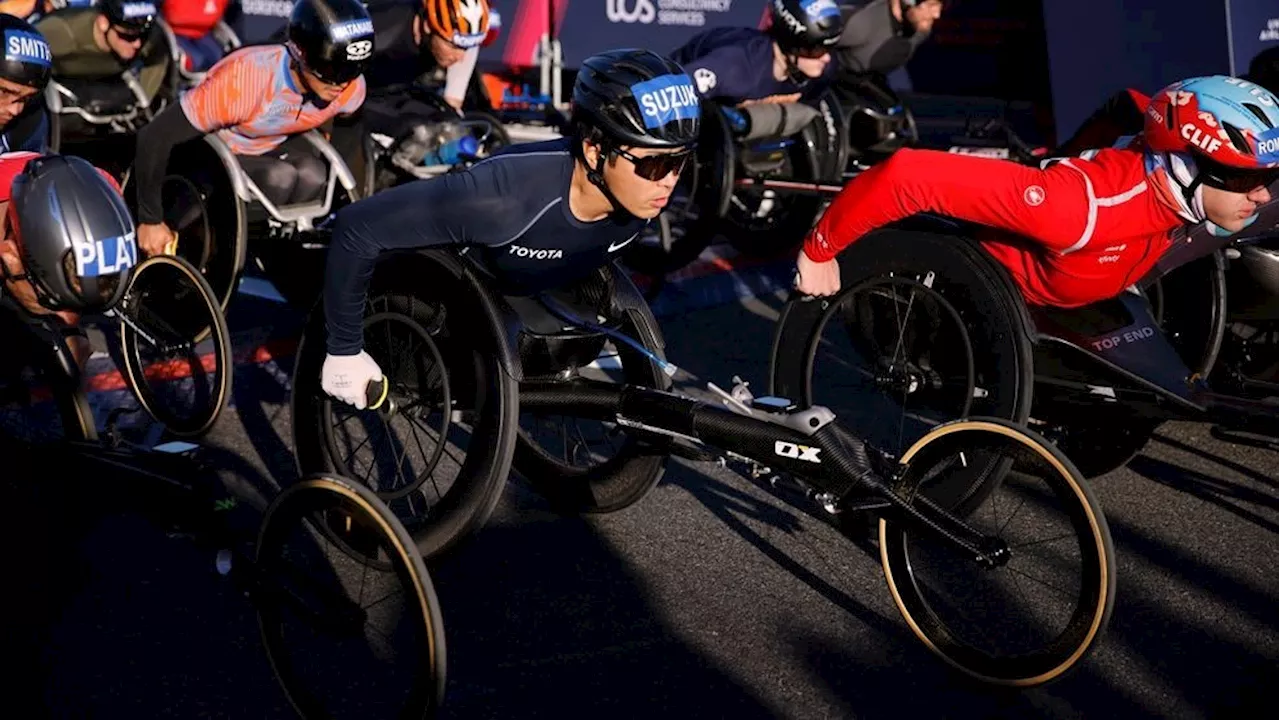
x: 815, y: 278
x: 776, y: 99
x: 347, y: 377
x: 157, y: 239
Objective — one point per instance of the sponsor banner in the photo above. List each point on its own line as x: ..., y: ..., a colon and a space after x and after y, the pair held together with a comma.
x: 1254, y: 27
x: 587, y: 27
x: 1140, y: 44
x: 255, y: 21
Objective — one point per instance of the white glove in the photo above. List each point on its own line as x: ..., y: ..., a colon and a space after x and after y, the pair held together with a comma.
x: 347, y: 377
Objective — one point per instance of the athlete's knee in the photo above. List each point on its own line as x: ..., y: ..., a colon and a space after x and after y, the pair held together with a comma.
x: 312, y: 173
x: 276, y: 179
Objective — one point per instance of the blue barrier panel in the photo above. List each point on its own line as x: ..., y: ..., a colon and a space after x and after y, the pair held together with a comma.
x: 1097, y: 47
x: 1253, y: 28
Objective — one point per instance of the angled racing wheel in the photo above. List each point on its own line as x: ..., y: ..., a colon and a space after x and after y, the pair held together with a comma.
x: 175, y: 345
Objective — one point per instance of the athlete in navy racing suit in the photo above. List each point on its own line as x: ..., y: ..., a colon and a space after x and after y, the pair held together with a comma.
x: 24, y: 71
x: 542, y: 214
x: 787, y: 62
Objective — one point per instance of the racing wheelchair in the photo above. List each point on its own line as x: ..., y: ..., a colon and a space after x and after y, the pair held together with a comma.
x: 475, y: 380
x: 214, y: 207
x: 94, y: 115
x: 432, y: 147
x: 189, y: 78
x: 332, y: 573
x: 929, y: 328
x: 718, y: 196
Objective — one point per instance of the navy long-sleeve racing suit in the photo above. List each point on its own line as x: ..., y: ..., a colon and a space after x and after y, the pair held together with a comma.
x: 512, y: 207
x: 735, y: 64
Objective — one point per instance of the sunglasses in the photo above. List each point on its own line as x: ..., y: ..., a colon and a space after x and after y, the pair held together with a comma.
x: 1236, y: 180
x: 812, y: 53
x: 130, y: 35
x: 656, y: 167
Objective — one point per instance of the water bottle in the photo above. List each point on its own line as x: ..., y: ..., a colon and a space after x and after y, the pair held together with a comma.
x: 451, y: 151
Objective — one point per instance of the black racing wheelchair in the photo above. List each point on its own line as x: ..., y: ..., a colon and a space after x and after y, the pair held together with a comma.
x: 342, y: 598
x: 928, y: 328
x: 718, y: 197
x: 215, y: 207
x: 436, y: 145
x: 573, y: 390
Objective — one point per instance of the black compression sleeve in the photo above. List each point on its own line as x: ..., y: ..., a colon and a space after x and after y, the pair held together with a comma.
x: 156, y: 141
x: 468, y: 208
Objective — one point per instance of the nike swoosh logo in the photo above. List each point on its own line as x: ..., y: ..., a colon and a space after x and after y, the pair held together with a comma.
x: 624, y: 243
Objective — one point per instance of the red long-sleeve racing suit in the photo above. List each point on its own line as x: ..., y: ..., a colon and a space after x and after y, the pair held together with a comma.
x: 1076, y: 232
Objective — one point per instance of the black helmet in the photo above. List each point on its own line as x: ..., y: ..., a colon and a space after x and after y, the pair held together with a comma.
x: 27, y: 60
x: 1263, y: 69
x: 137, y: 15
x: 804, y: 24
x: 637, y: 98
x: 75, y: 234
x: 331, y: 38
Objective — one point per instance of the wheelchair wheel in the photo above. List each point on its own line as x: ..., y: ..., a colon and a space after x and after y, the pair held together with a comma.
x: 201, y: 207
x: 346, y: 638
x: 176, y: 345
x: 1099, y: 445
x: 494, y: 138
x: 588, y: 466
x: 1045, y: 604
x: 923, y: 334
x: 441, y: 460
x: 766, y: 223
x: 40, y: 403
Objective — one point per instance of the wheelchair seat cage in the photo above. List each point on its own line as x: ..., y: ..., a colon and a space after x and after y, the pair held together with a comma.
x: 302, y: 215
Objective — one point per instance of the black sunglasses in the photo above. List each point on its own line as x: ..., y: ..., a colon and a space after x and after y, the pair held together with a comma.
x: 131, y: 35
x: 1235, y: 180
x: 812, y: 53
x: 656, y: 167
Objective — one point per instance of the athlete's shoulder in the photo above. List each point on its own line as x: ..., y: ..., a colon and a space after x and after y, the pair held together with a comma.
x: 527, y: 177
x: 11, y: 166
x: 387, y: 14
x: 261, y: 59
x: 720, y: 38
x: 551, y: 152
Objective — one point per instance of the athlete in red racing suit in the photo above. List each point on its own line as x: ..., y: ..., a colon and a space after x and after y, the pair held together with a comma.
x: 1081, y: 229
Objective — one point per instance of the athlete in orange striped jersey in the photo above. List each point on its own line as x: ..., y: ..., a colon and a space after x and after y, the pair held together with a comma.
x: 259, y: 100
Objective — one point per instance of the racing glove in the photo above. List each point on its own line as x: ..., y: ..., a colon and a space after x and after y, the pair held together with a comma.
x: 347, y: 377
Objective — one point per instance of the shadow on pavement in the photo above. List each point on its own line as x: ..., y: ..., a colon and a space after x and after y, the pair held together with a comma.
x: 543, y: 620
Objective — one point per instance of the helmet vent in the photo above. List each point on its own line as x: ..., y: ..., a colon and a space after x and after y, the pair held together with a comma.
x: 1237, y: 139
x: 1258, y: 113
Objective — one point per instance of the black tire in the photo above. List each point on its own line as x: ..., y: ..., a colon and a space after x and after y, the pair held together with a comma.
x: 39, y: 402
x: 498, y: 136
x: 624, y: 477
x: 1081, y: 548
x: 478, y: 386
x: 1100, y: 443
x: 170, y: 309
x: 818, y: 154
x: 330, y: 601
x: 955, y: 272
x: 201, y: 206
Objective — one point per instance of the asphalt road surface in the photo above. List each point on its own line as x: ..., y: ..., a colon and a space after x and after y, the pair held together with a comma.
x: 710, y: 598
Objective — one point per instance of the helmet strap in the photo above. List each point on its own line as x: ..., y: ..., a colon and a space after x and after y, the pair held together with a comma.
x: 794, y: 74
x: 596, y: 176
x: 308, y: 96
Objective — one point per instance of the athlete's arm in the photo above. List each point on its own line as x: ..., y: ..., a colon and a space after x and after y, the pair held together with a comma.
x: 1051, y: 206
x: 155, y: 64
x: 854, y: 36
x: 458, y: 77
x: 719, y: 75
x: 228, y: 96
x: 467, y: 208
x: 29, y: 132
x: 351, y: 105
